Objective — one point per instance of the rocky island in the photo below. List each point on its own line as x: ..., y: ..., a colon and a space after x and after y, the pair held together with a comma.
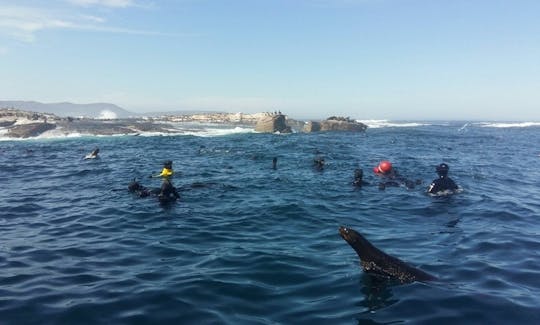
x: 16, y: 123
x: 335, y: 123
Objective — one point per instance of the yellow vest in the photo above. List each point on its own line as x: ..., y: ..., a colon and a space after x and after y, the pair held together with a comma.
x: 166, y: 172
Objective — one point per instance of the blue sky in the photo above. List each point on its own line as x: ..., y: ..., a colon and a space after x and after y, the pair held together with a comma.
x: 367, y: 59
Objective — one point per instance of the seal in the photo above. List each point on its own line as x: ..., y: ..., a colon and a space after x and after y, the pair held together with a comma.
x: 93, y: 155
x: 376, y: 262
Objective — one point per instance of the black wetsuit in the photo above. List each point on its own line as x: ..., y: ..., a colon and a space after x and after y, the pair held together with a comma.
x: 441, y: 184
x: 168, y: 192
x: 394, y: 179
x: 358, y: 178
x: 318, y: 164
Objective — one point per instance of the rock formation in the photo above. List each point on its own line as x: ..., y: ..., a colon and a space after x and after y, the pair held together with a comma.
x: 335, y: 124
x: 17, y: 123
x: 24, y: 124
x: 272, y: 123
x: 30, y: 129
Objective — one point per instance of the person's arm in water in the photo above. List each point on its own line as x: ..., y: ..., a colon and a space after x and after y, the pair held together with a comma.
x: 442, y: 184
x: 433, y: 187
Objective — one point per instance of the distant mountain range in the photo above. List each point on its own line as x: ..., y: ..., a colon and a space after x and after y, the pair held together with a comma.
x: 94, y: 110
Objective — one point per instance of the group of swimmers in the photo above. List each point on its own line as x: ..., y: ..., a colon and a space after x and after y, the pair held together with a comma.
x: 442, y: 185
x: 390, y: 177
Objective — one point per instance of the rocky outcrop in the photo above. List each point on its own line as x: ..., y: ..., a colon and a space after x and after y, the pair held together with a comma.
x: 272, y: 123
x: 24, y: 124
x: 30, y: 130
x: 17, y: 123
x: 335, y: 124
x: 5, y: 124
x: 312, y: 126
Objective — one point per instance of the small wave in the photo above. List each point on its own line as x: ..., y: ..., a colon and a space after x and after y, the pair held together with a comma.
x: 107, y: 115
x: 194, y: 131
x: 221, y: 132
x: 208, y: 130
x: 3, y: 132
x: 375, y: 124
x: 199, y: 132
x: 58, y: 133
x: 508, y: 124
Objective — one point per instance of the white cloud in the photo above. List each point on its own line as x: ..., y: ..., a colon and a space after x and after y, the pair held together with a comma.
x: 94, y: 19
x: 22, y: 23
x: 104, y: 3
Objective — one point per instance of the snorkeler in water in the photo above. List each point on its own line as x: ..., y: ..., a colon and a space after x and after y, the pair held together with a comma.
x: 443, y: 184
x: 318, y: 163
x: 358, y: 178
x: 391, y: 178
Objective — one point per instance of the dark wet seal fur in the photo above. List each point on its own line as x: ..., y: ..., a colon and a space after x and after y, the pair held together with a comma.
x: 376, y: 262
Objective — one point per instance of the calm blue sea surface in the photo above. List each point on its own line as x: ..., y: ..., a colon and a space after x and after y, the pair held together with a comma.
x: 251, y: 245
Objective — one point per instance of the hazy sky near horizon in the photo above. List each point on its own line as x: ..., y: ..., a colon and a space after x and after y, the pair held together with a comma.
x: 367, y: 59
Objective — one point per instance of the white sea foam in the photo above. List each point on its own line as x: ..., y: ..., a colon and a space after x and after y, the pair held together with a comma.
x: 197, y: 130
x: 216, y: 132
x: 3, y: 133
x: 57, y: 134
x: 107, y: 115
x: 375, y: 124
x: 194, y: 129
x: 508, y: 124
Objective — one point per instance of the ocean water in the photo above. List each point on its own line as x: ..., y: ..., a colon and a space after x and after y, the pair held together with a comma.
x: 247, y: 244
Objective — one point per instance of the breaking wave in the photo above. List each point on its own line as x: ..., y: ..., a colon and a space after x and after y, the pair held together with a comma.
x: 508, y: 124
x: 375, y: 124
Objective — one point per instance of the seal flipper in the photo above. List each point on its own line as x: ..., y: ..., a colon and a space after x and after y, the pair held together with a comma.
x: 377, y: 262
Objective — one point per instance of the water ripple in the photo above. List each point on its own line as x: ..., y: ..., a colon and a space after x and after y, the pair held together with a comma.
x: 249, y: 244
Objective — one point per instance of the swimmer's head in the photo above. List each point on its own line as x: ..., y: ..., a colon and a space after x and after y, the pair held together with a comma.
x: 384, y: 167
x: 167, y: 164
x: 442, y: 169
